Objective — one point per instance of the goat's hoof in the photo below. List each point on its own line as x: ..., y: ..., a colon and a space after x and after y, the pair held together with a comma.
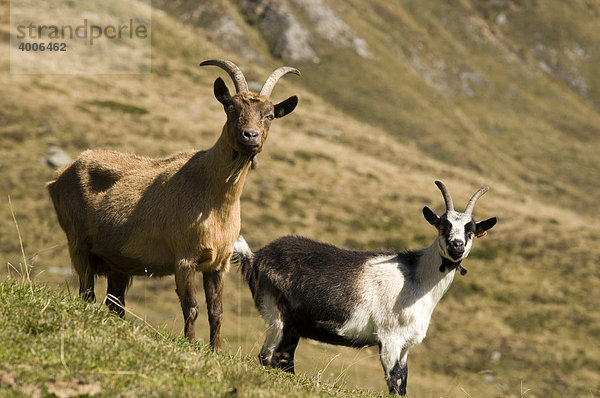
x: 88, y: 296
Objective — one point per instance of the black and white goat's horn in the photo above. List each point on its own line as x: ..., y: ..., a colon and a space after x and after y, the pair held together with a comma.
x: 474, y: 198
x: 275, y: 76
x: 446, y: 195
x: 234, y: 72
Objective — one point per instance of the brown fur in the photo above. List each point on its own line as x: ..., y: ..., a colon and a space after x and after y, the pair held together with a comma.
x: 127, y: 215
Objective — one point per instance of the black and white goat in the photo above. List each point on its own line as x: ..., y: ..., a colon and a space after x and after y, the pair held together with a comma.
x: 304, y: 288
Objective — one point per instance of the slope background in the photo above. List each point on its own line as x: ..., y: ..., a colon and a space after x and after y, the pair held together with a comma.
x: 500, y: 93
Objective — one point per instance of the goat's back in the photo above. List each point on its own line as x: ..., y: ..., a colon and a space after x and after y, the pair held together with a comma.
x: 319, y: 278
x: 297, y: 259
x: 123, y: 207
x: 107, y: 181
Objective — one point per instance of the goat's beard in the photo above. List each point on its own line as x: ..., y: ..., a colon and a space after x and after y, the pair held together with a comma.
x: 238, y: 164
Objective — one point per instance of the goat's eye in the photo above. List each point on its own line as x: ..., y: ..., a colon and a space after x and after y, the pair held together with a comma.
x: 230, y: 109
x: 470, y: 229
x: 270, y: 116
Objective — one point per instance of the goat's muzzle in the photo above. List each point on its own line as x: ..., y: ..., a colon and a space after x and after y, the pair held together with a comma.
x: 250, y: 142
x: 456, y: 249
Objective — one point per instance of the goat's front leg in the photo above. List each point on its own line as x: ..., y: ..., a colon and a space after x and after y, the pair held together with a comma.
x: 397, y: 378
x: 115, y: 292
x: 394, y: 361
x: 186, y: 290
x: 213, y: 290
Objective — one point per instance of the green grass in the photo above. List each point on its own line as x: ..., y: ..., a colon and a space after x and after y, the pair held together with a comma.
x: 52, y: 341
x: 125, y: 108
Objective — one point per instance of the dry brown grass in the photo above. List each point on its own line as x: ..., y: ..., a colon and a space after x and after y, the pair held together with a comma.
x: 523, y: 322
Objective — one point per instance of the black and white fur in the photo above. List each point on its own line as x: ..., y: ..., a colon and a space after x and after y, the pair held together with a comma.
x: 304, y: 288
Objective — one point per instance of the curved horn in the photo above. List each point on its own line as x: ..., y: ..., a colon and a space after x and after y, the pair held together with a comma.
x: 446, y: 195
x: 275, y: 76
x: 476, y: 196
x: 234, y: 72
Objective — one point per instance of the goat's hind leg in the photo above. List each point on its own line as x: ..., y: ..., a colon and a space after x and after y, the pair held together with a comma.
x: 115, y: 293
x: 283, y: 357
x: 274, y: 334
x: 83, y: 262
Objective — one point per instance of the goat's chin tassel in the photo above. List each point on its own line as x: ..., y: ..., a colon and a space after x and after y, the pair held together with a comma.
x: 254, y: 162
x: 447, y: 264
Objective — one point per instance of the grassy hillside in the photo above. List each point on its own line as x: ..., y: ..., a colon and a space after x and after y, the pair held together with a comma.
x: 452, y: 91
x: 86, y: 351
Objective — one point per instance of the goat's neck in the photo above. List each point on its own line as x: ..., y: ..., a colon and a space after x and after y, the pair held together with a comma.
x: 224, y: 171
x: 428, y: 273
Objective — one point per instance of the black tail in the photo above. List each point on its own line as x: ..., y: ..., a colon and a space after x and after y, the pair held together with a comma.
x: 244, y: 258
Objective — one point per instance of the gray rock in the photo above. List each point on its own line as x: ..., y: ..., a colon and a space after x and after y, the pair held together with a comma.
x: 59, y: 271
x: 219, y: 22
x: 471, y: 83
x: 56, y: 157
x: 330, y: 26
x: 501, y: 19
x: 286, y: 37
x: 227, y: 31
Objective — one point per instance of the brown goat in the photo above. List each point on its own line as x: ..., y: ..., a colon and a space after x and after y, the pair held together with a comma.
x: 126, y: 215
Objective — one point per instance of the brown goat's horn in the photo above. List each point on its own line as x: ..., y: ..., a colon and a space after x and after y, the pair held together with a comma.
x: 446, y: 195
x: 476, y: 196
x: 234, y: 72
x: 275, y: 76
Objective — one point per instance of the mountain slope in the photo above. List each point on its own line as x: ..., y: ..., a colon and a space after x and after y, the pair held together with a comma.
x: 446, y: 91
x: 509, y: 82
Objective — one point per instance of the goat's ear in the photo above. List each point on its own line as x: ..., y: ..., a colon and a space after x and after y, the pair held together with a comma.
x: 430, y: 216
x: 483, y: 226
x: 221, y: 91
x: 286, y: 107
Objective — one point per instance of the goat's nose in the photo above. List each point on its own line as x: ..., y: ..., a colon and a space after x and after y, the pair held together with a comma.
x: 457, y: 244
x: 250, y: 134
